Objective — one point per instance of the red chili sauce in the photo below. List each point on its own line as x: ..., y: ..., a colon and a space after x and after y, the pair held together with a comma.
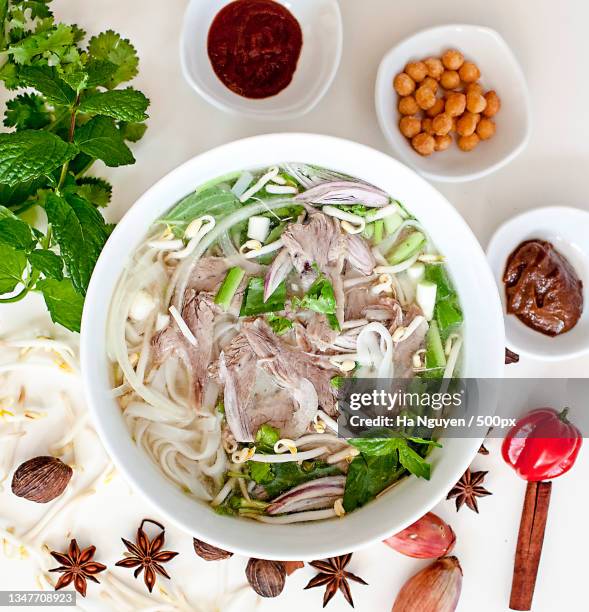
x: 254, y: 47
x: 542, y: 288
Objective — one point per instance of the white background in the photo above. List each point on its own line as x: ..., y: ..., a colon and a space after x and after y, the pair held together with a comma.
x: 550, y: 40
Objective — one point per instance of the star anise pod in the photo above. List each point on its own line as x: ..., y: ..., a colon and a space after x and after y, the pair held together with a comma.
x: 77, y: 567
x: 147, y: 555
x: 333, y: 576
x: 468, y: 488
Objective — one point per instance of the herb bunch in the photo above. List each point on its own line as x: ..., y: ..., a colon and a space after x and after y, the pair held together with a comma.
x: 72, y: 113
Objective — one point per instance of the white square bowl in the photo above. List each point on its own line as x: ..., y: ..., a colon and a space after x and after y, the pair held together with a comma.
x: 321, y: 23
x: 500, y: 71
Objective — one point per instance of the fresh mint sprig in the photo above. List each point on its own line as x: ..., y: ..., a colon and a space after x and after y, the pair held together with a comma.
x: 75, y: 115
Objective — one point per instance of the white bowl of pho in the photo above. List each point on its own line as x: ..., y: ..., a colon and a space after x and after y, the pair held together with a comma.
x: 234, y: 299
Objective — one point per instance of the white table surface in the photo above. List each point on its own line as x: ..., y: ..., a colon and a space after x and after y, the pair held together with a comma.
x: 550, y: 39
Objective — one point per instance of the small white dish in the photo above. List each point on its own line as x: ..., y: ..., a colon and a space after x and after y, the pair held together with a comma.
x: 321, y: 23
x: 567, y: 229
x: 500, y: 70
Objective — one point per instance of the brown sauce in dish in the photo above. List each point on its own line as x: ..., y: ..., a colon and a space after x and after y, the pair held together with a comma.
x: 254, y: 47
x: 542, y: 288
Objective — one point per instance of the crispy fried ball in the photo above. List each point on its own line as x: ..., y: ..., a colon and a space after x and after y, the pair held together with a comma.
x: 423, y: 143
x: 475, y: 102
x: 425, y: 97
x: 443, y: 142
x: 427, y: 126
x: 408, y: 106
x: 455, y: 104
x: 416, y: 70
x: 450, y: 79
x: 434, y: 67
x: 485, y: 128
x: 468, y: 143
x: 442, y: 124
x: 493, y: 104
x: 404, y: 85
x: 474, y: 88
x: 436, y: 109
x: 410, y: 126
x: 467, y: 124
x: 431, y: 83
x: 469, y: 72
x: 452, y: 59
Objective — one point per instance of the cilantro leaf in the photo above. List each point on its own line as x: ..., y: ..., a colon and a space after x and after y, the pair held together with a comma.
x: 132, y: 131
x: 280, y: 325
x: 30, y: 154
x: 16, y: 233
x: 100, y: 138
x: 53, y: 40
x: 266, y: 438
x: 80, y: 232
x: 95, y: 190
x: 123, y: 104
x: 27, y: 111
x: 12, y: 267
x: 119, y: 51
x: 38, y: 8
x: 47, y: 262
x: 320, y: 297
x: 260, y: 472
x: 46, y: 81
x: 64, y: 303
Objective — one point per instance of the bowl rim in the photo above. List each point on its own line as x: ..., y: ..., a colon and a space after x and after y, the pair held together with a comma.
x: 493, y: 255
x: 269, y: 114
x: 333, y: 540
x: 382, y: 78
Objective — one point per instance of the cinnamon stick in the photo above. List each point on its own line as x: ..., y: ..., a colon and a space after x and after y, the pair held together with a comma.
x: 529, y: 544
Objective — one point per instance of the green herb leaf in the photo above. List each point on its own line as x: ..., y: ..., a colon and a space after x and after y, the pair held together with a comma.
x: 321, y: 298
x: 46, y: 81
x: 93, y: 189
x: 266, y: 438
x: 289, y: 475
x: 253, y: 300
x: 51, y: 41
x: 12, y: 267
x: 29, y: 154
x: 280, y: 325
x: 100, y: 138
x: 123, y: 104
x: 80, y: 231
x: 27, y: 111
x: 414, y: 462
x: 16, y: 233
x: 132, y: 132
x: 119, y: 51
x: 47, y: 262
x: 12, y: 195
x: 99, y: 72
x: 260, y: 472
x: 64, y: 303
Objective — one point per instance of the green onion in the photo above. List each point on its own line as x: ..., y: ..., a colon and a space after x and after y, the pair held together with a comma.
x: 434, y: 356
x: 407, y: 248
x: 378, y: 231
x: 368, y: 231
x: 392, y: 223
x: 229, y: 287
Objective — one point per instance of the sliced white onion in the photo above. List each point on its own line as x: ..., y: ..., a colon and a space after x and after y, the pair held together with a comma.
x: 258, y: 228
x: 142, y: 305
x: 381, y: 213
x: 416, y: 272
x: 182, y: 326
x: 243, y: 182
x: 425, y: 296
x: 374, y: 348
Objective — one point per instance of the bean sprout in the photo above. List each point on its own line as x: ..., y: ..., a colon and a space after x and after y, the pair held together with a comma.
x: 182, y: 326
x: 259, y: 185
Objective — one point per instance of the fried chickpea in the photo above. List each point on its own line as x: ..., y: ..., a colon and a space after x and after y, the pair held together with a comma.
x: 469, y: 72
x: 450, y: 79
x: 408, y: 106
x: 425, y: 97
x: 455, y: 104
x: 434, y: 67
x: 475, y: 102
x: 485, y: 129
x: 467, y: 124
x: 468, y: 143
x: 442, y: 124
x: 427, y: 126
x: 442, y: 142
x: 474, y: 88
x: 416, y: 70
x: 493, y: 104
x: 431, y: 83
x: 404, y: 85
x: 410, y: 126
x: 452, y: 59
x: 423, y: 143
x: 436, y: 109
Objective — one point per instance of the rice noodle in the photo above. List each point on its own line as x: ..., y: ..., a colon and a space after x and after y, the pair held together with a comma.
x: 184, y: 329
x: 310, y: 454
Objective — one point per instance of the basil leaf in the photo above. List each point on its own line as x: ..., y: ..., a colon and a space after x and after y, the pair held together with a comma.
x: 253, y: 300
x: 64, y: 303
x: 291, y: 474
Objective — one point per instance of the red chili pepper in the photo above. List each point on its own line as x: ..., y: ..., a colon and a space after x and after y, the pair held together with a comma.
x: 542, y: 445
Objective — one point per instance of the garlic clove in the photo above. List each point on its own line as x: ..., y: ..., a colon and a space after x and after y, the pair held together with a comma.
x: 435, y: 588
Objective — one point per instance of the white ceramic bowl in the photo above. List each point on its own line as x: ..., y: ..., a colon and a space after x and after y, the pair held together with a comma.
x: 499, y: 70
x: 484, y: 347
x: 568, y: 229
x: 322, y: 28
